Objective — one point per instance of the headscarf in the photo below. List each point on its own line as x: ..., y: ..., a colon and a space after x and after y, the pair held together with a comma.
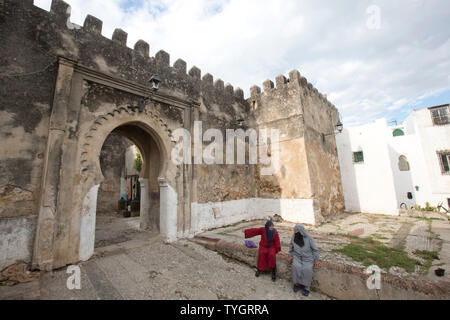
x: 300, y: 234
x: 269, y: 233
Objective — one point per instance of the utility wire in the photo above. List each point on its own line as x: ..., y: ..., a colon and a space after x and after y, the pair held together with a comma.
x: 29, y: 73
x: 55, y: 59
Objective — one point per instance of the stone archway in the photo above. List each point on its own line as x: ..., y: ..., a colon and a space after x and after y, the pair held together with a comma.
x: 152, y: 170
x: 77, y: 194
x: 159, y: 200
x: 94, y: 227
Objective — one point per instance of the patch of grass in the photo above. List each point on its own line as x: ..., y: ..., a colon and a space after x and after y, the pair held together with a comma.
x: 350, y: 237
x: 332, y: 234
x: 428, y: 219
x: 371, y: 252
x: 429, y: 257
x: 380, y: 237
x: 393, y: 232
x: 368, y: 240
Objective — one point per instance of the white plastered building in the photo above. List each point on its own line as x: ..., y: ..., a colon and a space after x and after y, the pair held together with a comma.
x: 387, y: 168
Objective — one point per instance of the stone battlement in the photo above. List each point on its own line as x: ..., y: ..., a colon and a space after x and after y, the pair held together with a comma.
x: 218, y: 84
x: 172, y: 75
x: 60, y: 12
x: 295, y: 79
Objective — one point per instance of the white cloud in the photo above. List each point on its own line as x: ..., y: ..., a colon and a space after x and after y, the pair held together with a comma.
x: 366, y: 73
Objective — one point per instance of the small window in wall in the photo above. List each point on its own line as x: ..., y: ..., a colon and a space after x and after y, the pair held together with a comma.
x: 403, y: 164
x: 444, y: 158
x: 358, y: 157
x: 398, y: 133
x: 440, y: 115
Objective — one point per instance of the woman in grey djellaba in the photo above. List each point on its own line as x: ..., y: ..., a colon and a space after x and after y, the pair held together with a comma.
x: 304, y: 256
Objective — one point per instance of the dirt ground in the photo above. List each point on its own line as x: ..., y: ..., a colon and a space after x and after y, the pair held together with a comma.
x: 133, y: 265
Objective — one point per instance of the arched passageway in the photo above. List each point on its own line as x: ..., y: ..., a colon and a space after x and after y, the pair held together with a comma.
x: 128, y: 200
x: 158, y: 200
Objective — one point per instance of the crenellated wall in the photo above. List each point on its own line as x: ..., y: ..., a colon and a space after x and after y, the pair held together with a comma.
x: 308, y: 163
x: 64, y: 88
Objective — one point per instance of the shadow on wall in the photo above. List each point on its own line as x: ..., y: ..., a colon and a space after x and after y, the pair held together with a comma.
x: 403, y: 181
x: 112, y: 164
x: 348, y: 173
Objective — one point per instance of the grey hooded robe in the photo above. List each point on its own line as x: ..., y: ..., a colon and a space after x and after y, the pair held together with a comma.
x: 303, y: 258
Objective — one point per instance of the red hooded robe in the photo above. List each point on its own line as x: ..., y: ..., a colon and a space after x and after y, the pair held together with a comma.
x: 267, y: 258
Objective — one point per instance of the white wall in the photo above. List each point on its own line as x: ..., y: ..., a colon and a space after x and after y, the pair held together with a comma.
x: 406, y: 181
x: 368, y: 187
x: 87, y: 231
x: 210, y: 215
x: 431, y: 140
x: 17, y: 240
x: 378, y: 185
x: 168, y: 211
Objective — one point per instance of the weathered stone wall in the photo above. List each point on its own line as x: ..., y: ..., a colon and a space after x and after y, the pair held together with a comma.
x: 25, y: 107
x: 64, y: 88
x: 29, y: 90
x: 26, y: 99
x: 221, y: 106
x: 321, y: 118
x: 308, y: 165
x: 280, y: 108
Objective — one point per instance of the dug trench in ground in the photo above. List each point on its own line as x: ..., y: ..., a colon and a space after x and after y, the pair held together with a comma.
x: 338, y: 277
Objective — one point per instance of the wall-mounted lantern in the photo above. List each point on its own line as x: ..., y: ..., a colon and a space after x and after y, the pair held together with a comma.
x: 240, y: 122
x: 339, y: 128
x: 155, y: 81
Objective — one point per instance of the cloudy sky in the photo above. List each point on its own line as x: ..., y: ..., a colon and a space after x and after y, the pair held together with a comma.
x: 374, y: 59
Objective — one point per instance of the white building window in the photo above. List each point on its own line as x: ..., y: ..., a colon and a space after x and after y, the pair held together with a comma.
x: 440, y: 115
x: 358, y: 157
x: 444, y: 158
x: 403, y: 164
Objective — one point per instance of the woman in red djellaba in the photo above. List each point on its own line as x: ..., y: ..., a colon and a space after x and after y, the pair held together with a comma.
x: 269, y: 246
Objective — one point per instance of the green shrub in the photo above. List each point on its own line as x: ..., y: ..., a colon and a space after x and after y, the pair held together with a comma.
x: 138, y: 162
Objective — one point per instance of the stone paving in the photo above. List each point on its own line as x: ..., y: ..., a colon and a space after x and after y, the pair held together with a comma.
x: 113, y: 229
